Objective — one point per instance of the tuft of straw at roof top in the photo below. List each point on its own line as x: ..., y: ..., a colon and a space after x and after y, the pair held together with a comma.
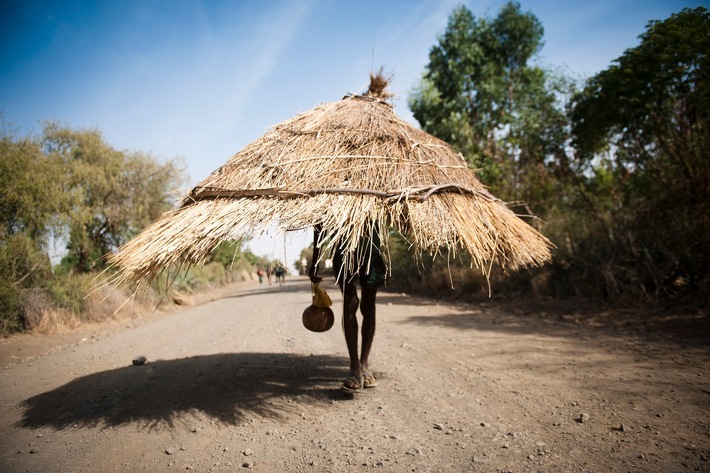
x: 379, y: 82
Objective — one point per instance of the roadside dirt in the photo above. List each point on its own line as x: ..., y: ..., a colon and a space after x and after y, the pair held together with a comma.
x: 236, y: 384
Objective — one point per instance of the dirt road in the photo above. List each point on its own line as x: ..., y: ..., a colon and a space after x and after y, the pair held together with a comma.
x: 237, y: 384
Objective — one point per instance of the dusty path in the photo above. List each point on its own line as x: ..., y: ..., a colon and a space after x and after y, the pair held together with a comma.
x: 237, y: 383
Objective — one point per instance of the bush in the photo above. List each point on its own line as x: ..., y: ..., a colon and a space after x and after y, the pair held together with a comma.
x: 23, y: 266
x: 35, y: 305
x: 69, y: 291
x: 10, y: 309
x: 192, y: 279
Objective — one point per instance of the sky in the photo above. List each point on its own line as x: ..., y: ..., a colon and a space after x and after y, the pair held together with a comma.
x: 198, y: 80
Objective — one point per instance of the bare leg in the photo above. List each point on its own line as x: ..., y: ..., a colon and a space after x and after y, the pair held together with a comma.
x: 367, y: 308
x: 350, y: 327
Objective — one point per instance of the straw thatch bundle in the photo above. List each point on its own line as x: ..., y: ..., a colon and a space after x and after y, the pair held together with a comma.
x: 352, y: 167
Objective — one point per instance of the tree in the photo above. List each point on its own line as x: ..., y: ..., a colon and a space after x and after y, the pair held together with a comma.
x: 652, y: 105
x: 30, y: 199
x: 111, y: 194
x: 481, y: 94
x: 30, y: 188
x: 68, y: 183
x: 28, y: 203
x: 644, y: 121
x: 307, y: 255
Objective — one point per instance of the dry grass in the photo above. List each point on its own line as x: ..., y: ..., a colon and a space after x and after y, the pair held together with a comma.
x: 41, y: 314
x: 352, y: 167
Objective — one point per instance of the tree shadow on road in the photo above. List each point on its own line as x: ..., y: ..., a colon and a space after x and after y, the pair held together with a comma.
x: 290, y: 286
x: 226, y: 387
x: 683, y: 325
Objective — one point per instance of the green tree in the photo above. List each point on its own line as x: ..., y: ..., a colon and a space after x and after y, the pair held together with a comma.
x: 480, y: 93
x: 68, y: 184
x: 642, y: 130
x: 483, y: 93
x: 30, y: 199
x: 31, y: 185
x: 652, y: 105
x: 111, y: 194
x: 307, y: 254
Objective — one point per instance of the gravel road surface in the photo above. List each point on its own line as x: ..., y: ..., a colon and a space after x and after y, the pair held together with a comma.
x: 236, y: 384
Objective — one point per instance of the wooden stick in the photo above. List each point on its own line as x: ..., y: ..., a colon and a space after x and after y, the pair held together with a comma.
x: 419, y: 193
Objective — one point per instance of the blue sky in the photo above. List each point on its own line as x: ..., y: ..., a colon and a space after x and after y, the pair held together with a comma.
x: 199, y: 80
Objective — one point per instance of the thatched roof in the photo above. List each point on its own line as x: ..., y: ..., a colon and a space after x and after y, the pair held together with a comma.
x: 353, y: 167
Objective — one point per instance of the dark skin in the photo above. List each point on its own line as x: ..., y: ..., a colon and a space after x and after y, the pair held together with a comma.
x: 360, y: 376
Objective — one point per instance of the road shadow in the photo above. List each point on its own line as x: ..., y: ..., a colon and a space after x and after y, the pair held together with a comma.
x: 292, y: 284
x: 683, y: 326
x: 225, y: 387
x: 266, y: 289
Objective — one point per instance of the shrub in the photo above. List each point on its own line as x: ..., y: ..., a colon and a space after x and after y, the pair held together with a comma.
x: 23, y: 266
x: 10, y: 309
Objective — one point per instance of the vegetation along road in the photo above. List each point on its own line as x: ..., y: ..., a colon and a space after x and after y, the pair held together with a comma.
x: 236, y: 383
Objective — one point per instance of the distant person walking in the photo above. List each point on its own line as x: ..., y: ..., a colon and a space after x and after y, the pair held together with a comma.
x: 269, y: 273
x: 280, y: 273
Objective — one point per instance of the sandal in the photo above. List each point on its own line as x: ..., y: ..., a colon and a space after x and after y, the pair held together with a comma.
x: 369, y: 379
x: 352, y: 384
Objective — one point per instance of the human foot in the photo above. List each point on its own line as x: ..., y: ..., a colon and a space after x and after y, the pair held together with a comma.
x: 352, y: 384
x: 369, y: 379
